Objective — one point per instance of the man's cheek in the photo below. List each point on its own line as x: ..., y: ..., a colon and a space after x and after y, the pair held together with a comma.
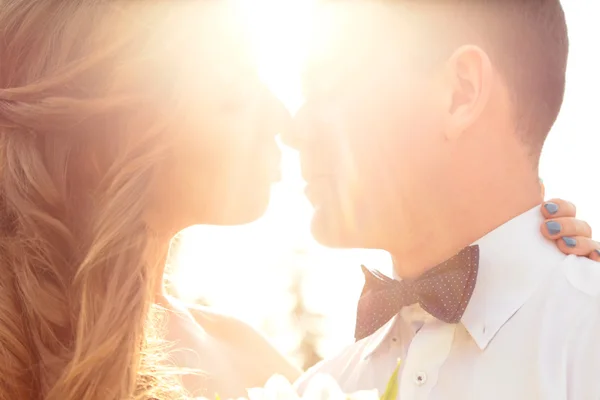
x: 355, y: 201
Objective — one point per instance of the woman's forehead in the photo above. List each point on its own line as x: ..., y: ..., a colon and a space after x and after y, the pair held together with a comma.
x: 208, y: 43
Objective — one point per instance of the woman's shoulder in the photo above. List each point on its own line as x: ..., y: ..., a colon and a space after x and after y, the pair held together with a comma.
x: 197, y: 318
x: 245, y: 344
x: 214, y: 323
x: 243, y: 348
x: 222, y: 325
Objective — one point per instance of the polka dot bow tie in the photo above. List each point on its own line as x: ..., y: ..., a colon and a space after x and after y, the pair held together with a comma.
x: 443, y: 291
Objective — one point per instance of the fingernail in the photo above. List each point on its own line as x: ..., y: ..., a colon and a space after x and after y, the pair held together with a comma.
x: 553, y: 227
x: 569, y: 241
x: 597, y: 251
x: 552, y: 208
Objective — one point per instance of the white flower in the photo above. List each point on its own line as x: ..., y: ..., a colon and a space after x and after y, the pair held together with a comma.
x: 277, y: 388
x: 323, y: 387
x: 320, y: 387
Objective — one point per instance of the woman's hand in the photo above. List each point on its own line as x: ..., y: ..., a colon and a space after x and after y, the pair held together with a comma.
x: 572, y: 235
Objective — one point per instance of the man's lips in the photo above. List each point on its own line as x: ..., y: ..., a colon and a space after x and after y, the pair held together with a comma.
x: 317, y: 187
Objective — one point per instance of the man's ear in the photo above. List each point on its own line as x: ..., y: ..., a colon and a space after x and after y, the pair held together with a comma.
x: 469, y: 80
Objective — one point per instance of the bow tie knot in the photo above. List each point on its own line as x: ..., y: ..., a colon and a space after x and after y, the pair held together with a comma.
x: 443, y: 291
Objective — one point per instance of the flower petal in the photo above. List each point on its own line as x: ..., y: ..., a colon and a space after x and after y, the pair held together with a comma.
x: 276, y: 388
x: 323, y: 387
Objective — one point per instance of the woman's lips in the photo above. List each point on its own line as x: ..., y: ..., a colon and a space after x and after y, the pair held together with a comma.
x: 316, y: 188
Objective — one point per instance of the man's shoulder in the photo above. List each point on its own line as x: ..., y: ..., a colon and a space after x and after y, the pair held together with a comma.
x: 582, y: 276
x: 580, y: 305
x: 571, y: 295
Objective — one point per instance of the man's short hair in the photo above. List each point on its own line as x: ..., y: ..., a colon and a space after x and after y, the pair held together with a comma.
x: 527, y: 42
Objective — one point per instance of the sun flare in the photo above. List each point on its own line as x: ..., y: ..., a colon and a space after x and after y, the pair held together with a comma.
x: 248, y: 271
x: 278, y: 31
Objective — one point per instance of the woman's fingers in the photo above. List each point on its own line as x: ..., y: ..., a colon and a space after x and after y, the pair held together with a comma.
x: 556, y: 228
x: 580, y: 246
x: 572, y: 235
x: 557, y: 208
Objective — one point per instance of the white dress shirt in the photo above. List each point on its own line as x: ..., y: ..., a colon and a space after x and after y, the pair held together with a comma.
x: 530, y: 331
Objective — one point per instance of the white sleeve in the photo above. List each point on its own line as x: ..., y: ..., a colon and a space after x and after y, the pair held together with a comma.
x: 584, y: 359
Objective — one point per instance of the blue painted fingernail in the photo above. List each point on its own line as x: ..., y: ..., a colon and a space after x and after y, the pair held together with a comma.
x: 569, y: 241
x: 597, y: 251
x: 553, y: 227
x: 552, y: 208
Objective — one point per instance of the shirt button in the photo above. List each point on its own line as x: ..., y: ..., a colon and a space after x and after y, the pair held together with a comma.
x: 420, y: 378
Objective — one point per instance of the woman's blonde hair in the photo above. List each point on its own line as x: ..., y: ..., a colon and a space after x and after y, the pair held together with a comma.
x: 84, y: 89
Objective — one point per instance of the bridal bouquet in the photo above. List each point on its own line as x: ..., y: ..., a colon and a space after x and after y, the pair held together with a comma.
x: 321, y: 387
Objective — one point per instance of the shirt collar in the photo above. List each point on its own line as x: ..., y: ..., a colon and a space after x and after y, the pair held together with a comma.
x: 513, y: 259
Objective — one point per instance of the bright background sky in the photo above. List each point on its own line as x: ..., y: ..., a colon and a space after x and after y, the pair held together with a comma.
x: 247, y: 271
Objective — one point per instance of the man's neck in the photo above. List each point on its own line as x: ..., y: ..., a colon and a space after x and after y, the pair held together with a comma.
x: 467, y: 211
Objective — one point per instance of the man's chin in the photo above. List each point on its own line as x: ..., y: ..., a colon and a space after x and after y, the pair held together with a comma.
x: 330, y: 231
